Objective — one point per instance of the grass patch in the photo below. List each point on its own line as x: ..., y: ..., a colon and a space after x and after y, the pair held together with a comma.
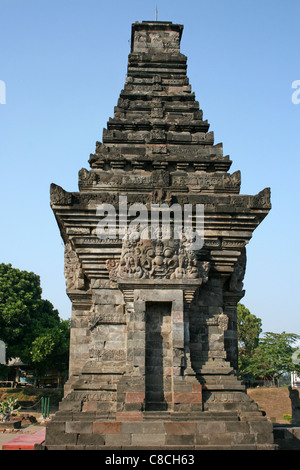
x: 32, y: 394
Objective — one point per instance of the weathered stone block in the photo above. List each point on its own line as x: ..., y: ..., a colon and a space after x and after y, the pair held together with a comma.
x: 178, y: 316
x: 60, y: 438
x: 180, y: 440
x: 135, y: 397
x: 187, y: 397
x: 130, y: 427
x: 129, y: 416
x: 68, y: 405
x: 91, y: 439
x: 145, y: 440
x: 106, y: 427
x: 202, y: 439
x: 134, y: 407
x: 180, y: 427
x: 85, y: 416
x: 244, y: 438
x: 262, y: 427
x: 153, y: 428
x: 222, y: 439
x: 90, y: 406
x: 81, y: 427
x: 116, y: 440
x: 238, y: 426
x: 214, y: 427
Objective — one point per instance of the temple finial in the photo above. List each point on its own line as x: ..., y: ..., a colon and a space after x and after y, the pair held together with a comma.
x: 156, y: 13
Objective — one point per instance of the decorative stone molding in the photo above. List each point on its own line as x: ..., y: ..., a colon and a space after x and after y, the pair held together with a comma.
x: 157, y: 259
x: 236, y: 279
x: 223, y: 321
x: 73, y: 271
x: 59, y: 197
x: 86, y: 178
x: 112, y: 267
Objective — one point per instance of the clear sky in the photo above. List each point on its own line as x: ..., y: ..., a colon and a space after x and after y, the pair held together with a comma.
x: 64, y: 63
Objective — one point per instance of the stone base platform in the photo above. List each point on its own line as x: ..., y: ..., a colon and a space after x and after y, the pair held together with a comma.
x: 287, y: 437
x: 159, y: 430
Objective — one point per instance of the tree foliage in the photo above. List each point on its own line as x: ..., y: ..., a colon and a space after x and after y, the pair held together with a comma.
x: 50, y: 350
x: 249, y: 328
x: 267, y: 357
x: 29, y: 325
x: 273, y: 356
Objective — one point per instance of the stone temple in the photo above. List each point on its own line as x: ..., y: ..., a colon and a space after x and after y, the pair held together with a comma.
x: 153, y: 354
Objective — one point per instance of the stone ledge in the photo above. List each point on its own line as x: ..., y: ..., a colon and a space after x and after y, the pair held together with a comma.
x: 166, y: 447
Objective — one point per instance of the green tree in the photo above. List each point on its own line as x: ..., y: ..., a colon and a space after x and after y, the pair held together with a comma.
x: 29, y: 325
x: 50, y: 349
x: 249, y: 328
x: 273, y: 356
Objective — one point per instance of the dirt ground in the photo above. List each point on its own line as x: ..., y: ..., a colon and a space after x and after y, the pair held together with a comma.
x: 274, y: 401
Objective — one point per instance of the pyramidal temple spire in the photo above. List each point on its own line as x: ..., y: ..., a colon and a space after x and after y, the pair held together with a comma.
x: 157, y: 109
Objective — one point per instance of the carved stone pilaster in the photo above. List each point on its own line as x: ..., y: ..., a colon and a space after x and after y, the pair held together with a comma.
x: 73, y: 271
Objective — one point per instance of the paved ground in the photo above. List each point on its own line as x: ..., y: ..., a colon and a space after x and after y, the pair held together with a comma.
x: 8, y: 436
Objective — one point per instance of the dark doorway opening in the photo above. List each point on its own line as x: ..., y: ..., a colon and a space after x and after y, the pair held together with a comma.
x: 158, y: 343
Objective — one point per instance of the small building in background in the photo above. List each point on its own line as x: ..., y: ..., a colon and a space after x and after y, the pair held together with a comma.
x: 295, y: 380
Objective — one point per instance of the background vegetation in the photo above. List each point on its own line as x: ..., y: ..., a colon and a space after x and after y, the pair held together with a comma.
x: 268, y: 357
x: 29, y: 325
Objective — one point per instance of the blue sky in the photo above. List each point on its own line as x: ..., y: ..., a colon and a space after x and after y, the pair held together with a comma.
x: 64, y: 64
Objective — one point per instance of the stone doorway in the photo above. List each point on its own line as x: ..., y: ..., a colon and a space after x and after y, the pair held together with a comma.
x: 158, y: 355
